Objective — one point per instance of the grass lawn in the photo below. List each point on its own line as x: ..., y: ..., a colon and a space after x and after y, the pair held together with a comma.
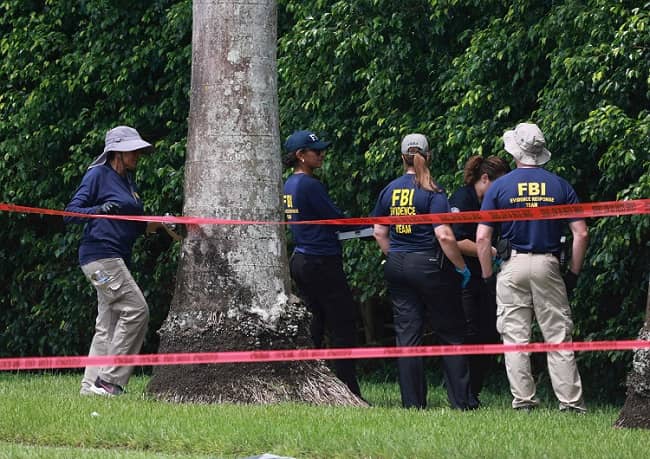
x: 42, y: 415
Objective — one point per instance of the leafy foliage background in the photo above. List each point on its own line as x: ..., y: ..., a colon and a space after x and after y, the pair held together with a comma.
x: 362, y: 73
x: 70, y: 71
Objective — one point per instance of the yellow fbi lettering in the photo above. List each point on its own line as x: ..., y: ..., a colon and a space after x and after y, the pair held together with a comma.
x: 531, y: 189
x: 409, y: 210
x: 531, y: 194
x: 402, y: 197
x: 288, y: 206
x: 401, y: 203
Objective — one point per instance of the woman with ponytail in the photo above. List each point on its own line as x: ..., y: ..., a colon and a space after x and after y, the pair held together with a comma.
x: 478, y: 304
x: 424, y: 271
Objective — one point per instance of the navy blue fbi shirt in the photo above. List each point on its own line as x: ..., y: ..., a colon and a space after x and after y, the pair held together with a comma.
x: 305, y: 198
x: 403, y: 197
x: 530, y: 187
x: 103, y: 237
x: 464, y: 200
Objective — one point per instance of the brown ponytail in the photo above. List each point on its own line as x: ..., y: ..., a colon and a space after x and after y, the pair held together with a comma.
x: 420, y: 162
x: 476, y: 166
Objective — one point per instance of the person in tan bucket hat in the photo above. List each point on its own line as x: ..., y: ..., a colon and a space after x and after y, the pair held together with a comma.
x: 530, y: 282
x: 527, y: 145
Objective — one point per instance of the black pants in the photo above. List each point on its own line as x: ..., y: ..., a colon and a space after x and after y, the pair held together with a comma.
x: 480, y: 309
x: 322, y: 284
x: 417, y: 286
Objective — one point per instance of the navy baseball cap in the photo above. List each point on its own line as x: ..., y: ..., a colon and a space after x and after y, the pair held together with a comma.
x: 305, y: 139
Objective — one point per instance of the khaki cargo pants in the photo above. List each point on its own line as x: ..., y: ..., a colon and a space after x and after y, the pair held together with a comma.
x: 532, y: 284
x: 122, y: 319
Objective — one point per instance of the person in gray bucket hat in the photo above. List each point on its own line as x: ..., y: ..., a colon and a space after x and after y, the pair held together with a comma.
x: 108, y: 188
x: 121, y: 138
x: 531, y: 283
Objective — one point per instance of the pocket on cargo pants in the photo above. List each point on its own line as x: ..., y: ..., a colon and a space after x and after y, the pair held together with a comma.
x: 107, y: 276
x: 500, y: 313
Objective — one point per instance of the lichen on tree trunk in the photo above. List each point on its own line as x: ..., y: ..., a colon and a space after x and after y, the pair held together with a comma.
x: 193, y: 331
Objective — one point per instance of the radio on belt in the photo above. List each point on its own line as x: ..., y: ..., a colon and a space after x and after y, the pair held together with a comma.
x: 360, y: 233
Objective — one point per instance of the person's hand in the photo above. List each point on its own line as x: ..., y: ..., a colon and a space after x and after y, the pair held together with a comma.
x: 109, y: 208
x: 466, y: 276
x: 170, y: 226
x: 491, y: 284
x: 176, y: 231
x: 570, y: 282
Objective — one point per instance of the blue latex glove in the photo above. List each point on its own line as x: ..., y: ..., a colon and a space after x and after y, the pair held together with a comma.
x: 496, y: 262
x: 466, y: 276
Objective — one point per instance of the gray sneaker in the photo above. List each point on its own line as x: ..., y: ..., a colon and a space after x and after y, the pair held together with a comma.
x: 86, y: 390
x: 106, y: 389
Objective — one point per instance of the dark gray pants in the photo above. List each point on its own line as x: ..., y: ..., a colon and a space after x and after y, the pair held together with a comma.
x: 322, y: 284
x: 419, y: 286
x: 480, y: 309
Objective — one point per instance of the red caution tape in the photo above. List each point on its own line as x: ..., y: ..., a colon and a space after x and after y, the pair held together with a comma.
x: 583, y: 210
x: 42, y: 363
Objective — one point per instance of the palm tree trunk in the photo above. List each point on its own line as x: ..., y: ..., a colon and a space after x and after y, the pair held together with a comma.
x: 232, y: 286
x: 636, y: 410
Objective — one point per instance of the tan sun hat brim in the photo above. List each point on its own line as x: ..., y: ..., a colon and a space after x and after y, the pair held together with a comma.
x: 528, y: 159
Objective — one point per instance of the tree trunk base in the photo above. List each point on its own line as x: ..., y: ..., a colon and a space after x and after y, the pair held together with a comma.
x: 247, y: 383
x: 634, y: 414
x: 267, y: 383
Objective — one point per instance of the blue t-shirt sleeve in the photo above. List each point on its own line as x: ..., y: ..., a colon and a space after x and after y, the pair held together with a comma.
x: 439, y: 205
x: 325, y: 208
x: 381, y: 209
x: 571, y: 198
x: 490, y: 202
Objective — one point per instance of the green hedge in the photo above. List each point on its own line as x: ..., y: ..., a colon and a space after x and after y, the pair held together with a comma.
x: 463, y: 72
x: 70, y: 71
x: 363, y: 73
